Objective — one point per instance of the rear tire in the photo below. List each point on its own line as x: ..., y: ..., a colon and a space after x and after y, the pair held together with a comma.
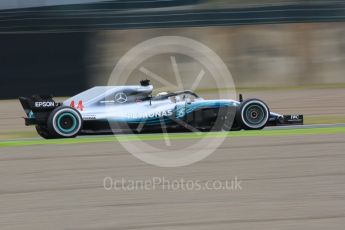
x: 252, y: 114
x: 43, y: 132
x: 64, y: 122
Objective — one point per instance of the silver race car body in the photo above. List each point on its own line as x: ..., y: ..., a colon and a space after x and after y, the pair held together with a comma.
x: 122, y: 109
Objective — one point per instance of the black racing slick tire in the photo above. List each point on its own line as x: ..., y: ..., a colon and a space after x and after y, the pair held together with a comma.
x: 252, y: 114
x: 64, y: 122
x: 43, y: 132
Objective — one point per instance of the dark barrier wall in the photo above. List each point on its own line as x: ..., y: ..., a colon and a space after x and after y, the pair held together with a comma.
x: 98, y: 18
x: 42, y: 63
x: 45, y: 50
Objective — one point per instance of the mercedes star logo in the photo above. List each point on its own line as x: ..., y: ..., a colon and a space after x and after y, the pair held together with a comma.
x: 121, y: 98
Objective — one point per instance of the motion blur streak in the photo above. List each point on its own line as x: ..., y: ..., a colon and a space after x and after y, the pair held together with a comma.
x: 289, y: 53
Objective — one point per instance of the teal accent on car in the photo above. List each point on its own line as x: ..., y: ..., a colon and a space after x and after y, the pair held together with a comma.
x: 180, y: 111
x: 31, y: 114
x: 67, y: 131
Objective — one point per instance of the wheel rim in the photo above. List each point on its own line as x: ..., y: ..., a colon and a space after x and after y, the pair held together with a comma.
x: 255, y: 114
x: 67, y: 123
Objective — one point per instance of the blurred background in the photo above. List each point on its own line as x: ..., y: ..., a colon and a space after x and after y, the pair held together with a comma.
x: 288, y: 53
x: 64, y: 47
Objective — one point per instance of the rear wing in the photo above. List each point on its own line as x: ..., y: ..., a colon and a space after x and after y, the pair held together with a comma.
x: 37, y: 108
x: 37, y: 103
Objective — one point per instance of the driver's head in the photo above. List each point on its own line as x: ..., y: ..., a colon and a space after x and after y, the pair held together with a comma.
x: 173, y: 99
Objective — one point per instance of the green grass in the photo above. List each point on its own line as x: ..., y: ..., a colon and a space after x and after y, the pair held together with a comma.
x: 175, y: 136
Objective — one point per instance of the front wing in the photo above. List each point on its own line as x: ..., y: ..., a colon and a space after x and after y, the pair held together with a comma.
x: 285, y: 120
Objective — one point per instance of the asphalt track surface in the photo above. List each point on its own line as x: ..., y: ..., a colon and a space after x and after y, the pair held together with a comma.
x: 287, y: 182
x: 99, y: 17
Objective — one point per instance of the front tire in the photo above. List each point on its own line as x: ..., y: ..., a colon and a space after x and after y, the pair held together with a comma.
x: 253, y: 114
x: 64, y: 122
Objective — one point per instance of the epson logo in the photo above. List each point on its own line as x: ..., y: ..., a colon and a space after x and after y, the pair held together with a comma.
x: 39, y: 104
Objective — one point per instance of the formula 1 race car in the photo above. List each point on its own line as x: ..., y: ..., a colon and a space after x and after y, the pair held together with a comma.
x: 123, y: 109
